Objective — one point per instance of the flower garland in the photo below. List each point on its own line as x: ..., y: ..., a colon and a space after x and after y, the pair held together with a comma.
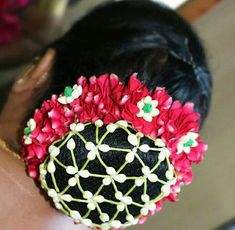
x: 106, y: 99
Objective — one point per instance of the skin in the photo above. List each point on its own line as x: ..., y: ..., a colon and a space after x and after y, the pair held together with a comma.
x: 22, y: 204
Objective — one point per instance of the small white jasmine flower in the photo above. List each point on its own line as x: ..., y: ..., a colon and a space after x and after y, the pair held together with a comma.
x: 93, y: 150
x: 28, y: 140
x: 77, y: 127
x: 187, y: 142
x: 70, y: 94
x: 150, y: 176
x: 148, y: 108
x: 127, y: 200
x: 92, y: 200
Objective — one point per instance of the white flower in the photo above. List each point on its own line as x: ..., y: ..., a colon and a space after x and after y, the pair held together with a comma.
x: 57, y: 198
x: 126, y: 200
x: 92, y: 200
x: 31, y: 124
x: 187, y: 142
x: 147, y: 174
x: 149, y: 206
x: 121, y: 178
x: 78, y: 127
x: 70, y: 94
x: 93, y: 151
x: 148, y: 108
x: 27, y: 140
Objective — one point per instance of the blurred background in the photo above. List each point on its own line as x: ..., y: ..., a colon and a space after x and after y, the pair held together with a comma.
x: 26, y: 26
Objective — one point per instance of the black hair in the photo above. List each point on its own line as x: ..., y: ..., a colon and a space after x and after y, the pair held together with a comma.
x: 136, y: 36
x: 126, y: 37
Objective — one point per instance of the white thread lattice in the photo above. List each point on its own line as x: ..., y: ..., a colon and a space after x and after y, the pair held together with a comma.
x: 112, y: 176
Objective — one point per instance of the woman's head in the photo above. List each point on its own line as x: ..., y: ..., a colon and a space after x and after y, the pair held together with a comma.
x: 136, y: 36
x: 107, y: 171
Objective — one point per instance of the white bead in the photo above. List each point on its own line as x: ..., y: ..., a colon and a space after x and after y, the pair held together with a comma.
x: 52, y: 193
x: 121, y: 207
x: 87, y: 222
x: 91, y: 155
x: 84, y: 173
x: 116, y: 224
x: 75, y: 215
x: 145, y: 198
x: 107, y: 181
x: 139, y: 182
x: 162, y: 156
x: 87, y: 195
x: 66, y: 197
x: 166, y: 190
x: 127, y: 200
x: 144, y: 148
x: 130, y: 218
x: 122, y: 123
x: 71, y: 144
x: 169, y: 175
x: 71, y: 170
x: 132, y: 139
x: 111, y: 171
x: 104, y: 148
x: 91, y: 206
x: 152, y: 206
x: 99, y: 199
x: 121, y: 178
x: 90, y: 146
x: 119, y: 195
x: 51, y: 167
x: 153, y: 178
x: 54, y: 151
x: 72, y: 181
x: 145, y: 170
x: 99, y: 123
x: 144, y: 211
x: 130, y: 157
x: 104, y: 217
x: 111, y: 127
x: 80, y: 127
x: 58, y: 206
x: 159, y: 142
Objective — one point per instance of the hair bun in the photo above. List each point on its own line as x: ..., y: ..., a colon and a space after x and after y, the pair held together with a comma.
x: 106, y: 175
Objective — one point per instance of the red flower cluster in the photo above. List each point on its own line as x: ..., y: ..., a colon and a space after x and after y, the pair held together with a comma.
x: 10, y: 24
x: 108, y: 99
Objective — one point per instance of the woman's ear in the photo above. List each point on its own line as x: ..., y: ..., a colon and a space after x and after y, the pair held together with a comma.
x: 24, y: 96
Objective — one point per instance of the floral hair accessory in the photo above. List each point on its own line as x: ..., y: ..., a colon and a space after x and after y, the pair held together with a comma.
x: 108, y: 154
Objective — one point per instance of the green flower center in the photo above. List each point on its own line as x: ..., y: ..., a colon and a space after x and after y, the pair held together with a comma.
x: 147, y: 108
x: 189, y: 143
x: 68, y: 91
x: 27, y: 131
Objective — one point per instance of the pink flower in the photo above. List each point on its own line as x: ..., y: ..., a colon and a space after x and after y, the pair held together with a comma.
x: 100, y: 99
x: 52, y: 122
x: 10, y: 24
